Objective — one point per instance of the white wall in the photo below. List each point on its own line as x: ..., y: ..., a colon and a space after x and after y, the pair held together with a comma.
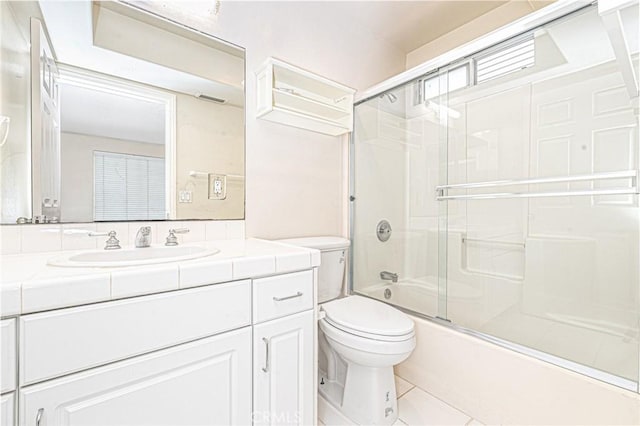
x: 296, y: 179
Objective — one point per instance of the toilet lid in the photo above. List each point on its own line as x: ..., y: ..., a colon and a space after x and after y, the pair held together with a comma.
x: 369, y: 316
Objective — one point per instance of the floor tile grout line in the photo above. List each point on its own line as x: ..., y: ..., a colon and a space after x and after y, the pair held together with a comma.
x: 471, y: 418
x: 406, y: 392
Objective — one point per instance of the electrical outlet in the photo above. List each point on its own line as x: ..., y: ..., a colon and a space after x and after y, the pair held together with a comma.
x: 217, y: 187
x: 185, y: 196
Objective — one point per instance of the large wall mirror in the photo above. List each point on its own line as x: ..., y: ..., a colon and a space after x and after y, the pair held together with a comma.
x: 110, y: 113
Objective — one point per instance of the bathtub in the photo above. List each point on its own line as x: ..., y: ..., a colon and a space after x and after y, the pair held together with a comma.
x: 421, y: 294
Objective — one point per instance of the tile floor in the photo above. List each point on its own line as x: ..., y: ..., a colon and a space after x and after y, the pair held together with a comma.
x: 419, y: 408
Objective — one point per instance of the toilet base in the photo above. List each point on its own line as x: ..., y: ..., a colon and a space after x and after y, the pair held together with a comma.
x: 368, y: 397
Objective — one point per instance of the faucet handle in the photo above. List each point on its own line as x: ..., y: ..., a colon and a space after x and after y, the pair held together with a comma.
x: 172, y: 240
x: 112, y: 242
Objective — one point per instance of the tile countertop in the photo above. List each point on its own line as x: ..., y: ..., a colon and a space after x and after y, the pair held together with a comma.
x: 28, y: 284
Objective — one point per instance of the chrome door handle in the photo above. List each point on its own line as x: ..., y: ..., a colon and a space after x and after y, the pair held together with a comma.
x: 39, y: 416
x: 293, y: 296
x: 267, y: 362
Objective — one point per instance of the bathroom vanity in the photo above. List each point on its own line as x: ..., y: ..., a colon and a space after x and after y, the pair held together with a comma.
x: 221, y: 340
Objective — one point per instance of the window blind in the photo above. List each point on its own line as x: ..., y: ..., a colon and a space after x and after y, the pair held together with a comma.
x: 506, y: 60
x: 128, y: 187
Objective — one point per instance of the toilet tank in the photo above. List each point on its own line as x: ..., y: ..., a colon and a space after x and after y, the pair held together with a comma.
x: 333, y: 259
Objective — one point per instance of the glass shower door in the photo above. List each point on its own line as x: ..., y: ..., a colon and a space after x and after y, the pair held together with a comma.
x: 500, y: 193
x: 396, y: 149
x: 541, y: 192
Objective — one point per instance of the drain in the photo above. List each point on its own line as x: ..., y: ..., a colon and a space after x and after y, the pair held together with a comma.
x: 387, y: 293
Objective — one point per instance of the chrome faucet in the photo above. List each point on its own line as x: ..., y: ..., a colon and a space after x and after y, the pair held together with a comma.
x: 143, y: 237
x: 172, y: 240
x: 112, y: 243
x: 386, y: 275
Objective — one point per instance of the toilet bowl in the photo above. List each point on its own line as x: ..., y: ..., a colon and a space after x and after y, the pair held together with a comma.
x: 362, y: 340
x: 359, y: 341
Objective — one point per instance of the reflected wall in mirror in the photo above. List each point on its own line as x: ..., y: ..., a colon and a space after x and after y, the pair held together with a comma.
x: 114, y: 114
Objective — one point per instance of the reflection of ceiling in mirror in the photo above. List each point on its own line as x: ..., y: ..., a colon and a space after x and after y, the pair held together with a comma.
x: 97, y: 113
x: 76, y: 45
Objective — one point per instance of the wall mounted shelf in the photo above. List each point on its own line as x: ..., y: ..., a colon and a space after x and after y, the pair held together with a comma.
x: 295, y: 97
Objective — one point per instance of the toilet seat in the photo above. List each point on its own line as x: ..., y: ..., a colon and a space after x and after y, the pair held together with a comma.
x: 367, y: 345
x: 370, y: 336
x: 368, y: 318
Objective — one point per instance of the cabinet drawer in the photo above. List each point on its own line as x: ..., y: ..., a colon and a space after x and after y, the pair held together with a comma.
x: 68, y: 340
x: 275, y: 297
x: 8, y: 355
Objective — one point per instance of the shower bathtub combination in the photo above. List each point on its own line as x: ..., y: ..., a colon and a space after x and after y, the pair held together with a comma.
x: 498, y: 186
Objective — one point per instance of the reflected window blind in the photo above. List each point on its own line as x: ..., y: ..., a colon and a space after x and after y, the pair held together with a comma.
x: 128, y: 187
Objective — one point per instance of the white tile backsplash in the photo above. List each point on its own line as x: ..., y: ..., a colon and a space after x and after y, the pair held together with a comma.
x: 10, y: 239
x: 235, y: 230
x: 40, y: 238
x: 76, y: 236
x: 15, y: 239
x: 216, y: 230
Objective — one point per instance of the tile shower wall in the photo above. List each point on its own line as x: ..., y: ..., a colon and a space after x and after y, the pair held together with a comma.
x: 15, y: 239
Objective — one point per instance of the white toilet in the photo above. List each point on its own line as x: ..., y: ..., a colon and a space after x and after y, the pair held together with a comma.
x: 360, y: 340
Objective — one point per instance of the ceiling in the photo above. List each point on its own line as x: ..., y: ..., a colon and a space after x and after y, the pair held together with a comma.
x: 411, y: 24
x: 97, y: 113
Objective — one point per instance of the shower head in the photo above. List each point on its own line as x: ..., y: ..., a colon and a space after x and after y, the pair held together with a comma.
x: 392, y: 98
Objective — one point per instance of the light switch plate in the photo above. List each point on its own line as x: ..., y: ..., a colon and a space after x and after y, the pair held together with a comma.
x: 217, y: 187
x: 185, y: 197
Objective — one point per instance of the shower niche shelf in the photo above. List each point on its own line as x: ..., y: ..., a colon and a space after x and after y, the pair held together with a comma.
x: 296, y: 97
x: 387, y: 129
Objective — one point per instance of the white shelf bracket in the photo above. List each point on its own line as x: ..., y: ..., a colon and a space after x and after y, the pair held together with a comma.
x: 609, y: 12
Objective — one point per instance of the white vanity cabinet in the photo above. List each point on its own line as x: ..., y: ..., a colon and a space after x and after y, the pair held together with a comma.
x: 234, y: 353
x: 7, y: 371
x: 175, y: 358
x: 283, y: 357
x: 206, y: 382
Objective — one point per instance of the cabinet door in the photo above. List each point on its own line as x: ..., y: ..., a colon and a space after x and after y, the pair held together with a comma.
x: 283, y: 369
x: 207, y: 382
x: 7, y: 355
x: 7, y: 408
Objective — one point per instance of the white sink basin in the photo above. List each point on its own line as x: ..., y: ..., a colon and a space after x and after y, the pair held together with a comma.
x: 131, y: 257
